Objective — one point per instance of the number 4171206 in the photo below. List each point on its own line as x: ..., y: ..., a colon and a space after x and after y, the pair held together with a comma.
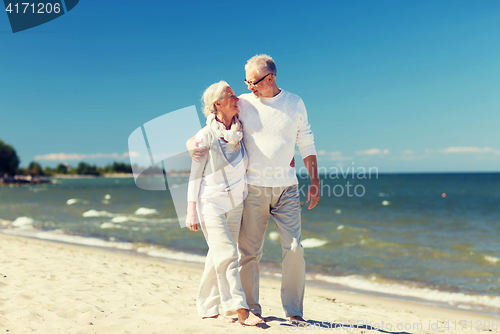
x: 40, y: 8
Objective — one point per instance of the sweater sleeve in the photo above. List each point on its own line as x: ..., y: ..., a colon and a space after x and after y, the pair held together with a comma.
x: 305, y: 137
x: 197, y: 169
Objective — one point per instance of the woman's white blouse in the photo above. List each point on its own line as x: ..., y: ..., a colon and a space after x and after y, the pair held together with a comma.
x: 215, y: 195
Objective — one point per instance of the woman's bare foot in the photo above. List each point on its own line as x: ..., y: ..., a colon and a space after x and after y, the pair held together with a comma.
x: 247, y: 318
x: 221, y: 318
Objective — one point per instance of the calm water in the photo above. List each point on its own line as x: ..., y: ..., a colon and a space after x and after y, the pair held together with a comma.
x: 432, y: 236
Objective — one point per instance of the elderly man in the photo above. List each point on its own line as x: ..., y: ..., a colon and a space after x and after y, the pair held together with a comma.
x: 274, y: 120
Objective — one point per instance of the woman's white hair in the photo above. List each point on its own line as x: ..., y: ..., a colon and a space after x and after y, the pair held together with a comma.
x: 212, y: 94
x: 261, y: 63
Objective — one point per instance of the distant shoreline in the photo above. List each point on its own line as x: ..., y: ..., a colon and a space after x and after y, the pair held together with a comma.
x: 21, y: 179
x: 85, y: 176
x: 27, y: 179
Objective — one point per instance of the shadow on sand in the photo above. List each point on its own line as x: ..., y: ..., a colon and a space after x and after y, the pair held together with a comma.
x: 322, y: 325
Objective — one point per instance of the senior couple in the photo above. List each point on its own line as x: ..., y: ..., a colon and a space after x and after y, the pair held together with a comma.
x: 241, y: 174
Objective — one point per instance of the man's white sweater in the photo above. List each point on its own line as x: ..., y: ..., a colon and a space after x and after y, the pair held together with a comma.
x: 271, y: 128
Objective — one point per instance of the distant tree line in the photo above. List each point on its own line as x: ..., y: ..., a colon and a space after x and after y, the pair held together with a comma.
x: 35, y: 169
x: 86, y: 169
x: 9, y: 164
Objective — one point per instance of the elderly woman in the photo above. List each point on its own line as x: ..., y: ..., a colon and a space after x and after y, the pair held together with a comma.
x: 215, y: 198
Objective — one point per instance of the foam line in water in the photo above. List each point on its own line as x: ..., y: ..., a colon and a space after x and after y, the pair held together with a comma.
x: 152, y: 220
x: 491, y: 259
x: 75, y: 239
x: 172, y: 255
x: 95, y: 213
x: 110, y: 225
x: 72, y: 201
x: 453, y: 298
x: 59, y: 235
x: 153, y: 251
x: 121, y: 218
x: 23, y: 222
x: 146, y: 211
x: 274, y: 236
x: 313, y: 243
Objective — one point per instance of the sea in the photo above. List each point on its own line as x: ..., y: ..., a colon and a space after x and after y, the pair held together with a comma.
x: 432, y: 238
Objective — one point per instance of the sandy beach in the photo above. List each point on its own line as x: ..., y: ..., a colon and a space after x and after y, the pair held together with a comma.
x: 49, y: 287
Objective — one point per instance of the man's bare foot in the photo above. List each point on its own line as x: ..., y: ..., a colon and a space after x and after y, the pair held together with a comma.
x: 221, y: 318
x: 247, y: 318
x: 297, y: 319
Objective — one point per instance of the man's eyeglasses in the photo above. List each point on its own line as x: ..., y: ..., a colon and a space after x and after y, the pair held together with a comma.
x: 255, y: 83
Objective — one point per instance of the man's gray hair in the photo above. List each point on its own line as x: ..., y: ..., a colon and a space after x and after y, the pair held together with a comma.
x: 261, y: 63
x: 212, y: 94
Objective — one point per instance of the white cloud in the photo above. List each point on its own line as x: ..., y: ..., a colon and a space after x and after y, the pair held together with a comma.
x: 459, y: 149
x: 408, y: 152
x: 79, y: 157
x: 477, y: 152
x: 132, y: 154
x: 372, y: 151
x: 332, y: 156
x: 341, y: 158
x: 412, y: 157
x: 465, y: 149
x: 333, y: 153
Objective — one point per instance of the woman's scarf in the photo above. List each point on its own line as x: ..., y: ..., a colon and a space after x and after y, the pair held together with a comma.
x: 232, y: 136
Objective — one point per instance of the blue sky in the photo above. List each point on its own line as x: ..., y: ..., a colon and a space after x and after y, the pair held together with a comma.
x: 404, y: 86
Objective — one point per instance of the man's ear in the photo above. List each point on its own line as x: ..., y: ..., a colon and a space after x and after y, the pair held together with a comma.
x: 270, y: 79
